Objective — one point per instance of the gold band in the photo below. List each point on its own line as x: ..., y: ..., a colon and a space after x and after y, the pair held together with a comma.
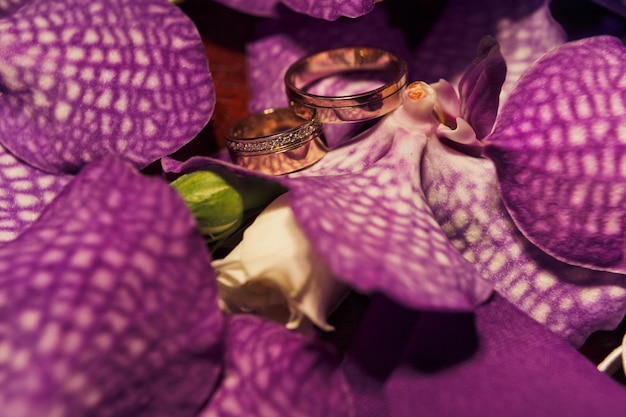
x: 302, y: 74
x: 276, y: 141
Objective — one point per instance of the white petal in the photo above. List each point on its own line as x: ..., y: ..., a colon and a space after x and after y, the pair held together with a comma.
x: 274, y: 272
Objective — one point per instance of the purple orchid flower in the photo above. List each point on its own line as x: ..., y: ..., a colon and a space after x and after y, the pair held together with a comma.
x: 416, y: 355
x: 429, y: 360
x: 80, y: 80
x: 388, y: 258
x: 542, y: 287
x: 571, y: 300
x: 84, y: 284
x: 525, y: 33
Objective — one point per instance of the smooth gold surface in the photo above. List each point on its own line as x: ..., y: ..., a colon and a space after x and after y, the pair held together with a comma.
x: 302, y: 74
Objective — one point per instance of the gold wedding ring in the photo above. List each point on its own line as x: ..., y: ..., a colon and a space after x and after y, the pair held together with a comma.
x: 276, y: 141
x: 308, y: 71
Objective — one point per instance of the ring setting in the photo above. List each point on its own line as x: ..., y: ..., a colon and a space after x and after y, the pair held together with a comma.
x: 276, y: 142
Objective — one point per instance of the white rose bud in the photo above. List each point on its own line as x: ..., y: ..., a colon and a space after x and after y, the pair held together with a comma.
x: 275, y: 273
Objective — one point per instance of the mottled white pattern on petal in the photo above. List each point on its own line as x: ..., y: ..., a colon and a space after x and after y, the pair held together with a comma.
x: 571, y: 301
x: 73, y: 72
x: 562, y: 176
x: 270, y: 371
x: 24, y: 193
x: 111, y: 302
x: 364, y: 211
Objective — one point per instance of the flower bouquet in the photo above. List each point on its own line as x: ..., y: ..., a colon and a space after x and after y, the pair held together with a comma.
x: 452, y: 255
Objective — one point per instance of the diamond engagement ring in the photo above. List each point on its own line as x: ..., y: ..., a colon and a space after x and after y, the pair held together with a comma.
x: 382, y: 71
x: 276, y: 141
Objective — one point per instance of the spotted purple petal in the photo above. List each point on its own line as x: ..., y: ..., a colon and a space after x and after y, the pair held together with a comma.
x: 571, y: 301
x: 364, y: 211
x: 480, y: 86
x: 25, y: 192
x: 559, y: 150
x: 270, y: 371
x: 108, y: 304
x: 81, y: 79
x: 524, y: 31
x: 329, y: 10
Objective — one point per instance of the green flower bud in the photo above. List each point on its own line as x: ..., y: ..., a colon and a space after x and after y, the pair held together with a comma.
x: 214, y: 201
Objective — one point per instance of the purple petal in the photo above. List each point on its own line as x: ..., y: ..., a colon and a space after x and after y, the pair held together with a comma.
x: 364, y: 211
x: 480, y: 86
x: 108, y: 304
x: 571, y: 301
x: 329, y: 10
x: 496, y: 363
x: 270, y: 371
x: 26, y: 191
x: 559, y: 149
x: 81, y: 79
x: 524, y: 30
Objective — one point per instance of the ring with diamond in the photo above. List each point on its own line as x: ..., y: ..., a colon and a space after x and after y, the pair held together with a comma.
x: 379, y: 73
x: 276, y: 141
